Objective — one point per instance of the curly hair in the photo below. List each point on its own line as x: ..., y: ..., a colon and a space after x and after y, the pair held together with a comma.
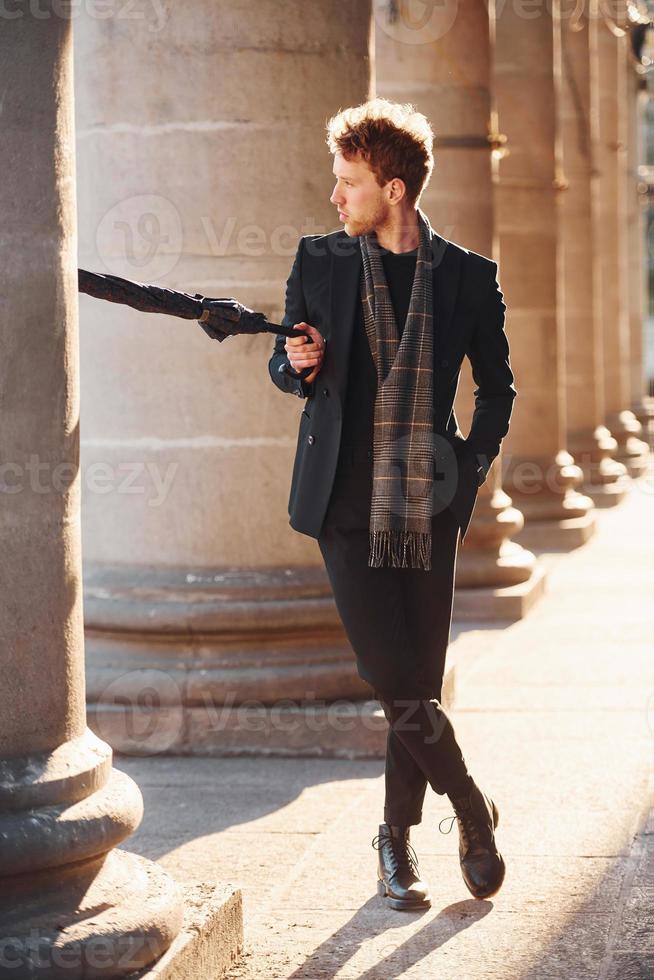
x: 394, y: 139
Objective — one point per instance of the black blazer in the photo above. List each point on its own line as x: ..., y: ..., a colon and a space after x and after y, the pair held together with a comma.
x: 469, y: 315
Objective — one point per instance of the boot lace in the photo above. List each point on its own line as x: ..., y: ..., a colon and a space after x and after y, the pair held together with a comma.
x: 404, y: 854
x: 469, y: 826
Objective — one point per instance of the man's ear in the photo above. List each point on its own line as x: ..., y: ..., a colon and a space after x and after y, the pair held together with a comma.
x: 398, y: 190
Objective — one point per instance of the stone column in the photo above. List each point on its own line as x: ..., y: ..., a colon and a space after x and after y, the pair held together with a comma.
x: 613, y: 253
x: 605, y: 479
x: 72, y: 904
x: 642, y: 403
x: 441, y: 64
x: 202, y: 160
x: 540, y: 473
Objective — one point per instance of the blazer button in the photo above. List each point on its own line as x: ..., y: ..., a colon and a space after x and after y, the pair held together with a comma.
x: 311, y: 440
x: 325, y: 392
x: 444, y: 362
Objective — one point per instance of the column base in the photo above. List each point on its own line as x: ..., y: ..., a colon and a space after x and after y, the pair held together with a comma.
x: 224, y: 662
x: 605, y: 480
x: 170, y: 637
x: 490, y: 559
x: 632, y: 450
x: 68, y: 832
x: 71, y: 905
x: 497, y: 579
x: 102, y: 918
x: 611, y: 494
x: 559, y: 535
x: 557, y: 517
x: 507, y: 604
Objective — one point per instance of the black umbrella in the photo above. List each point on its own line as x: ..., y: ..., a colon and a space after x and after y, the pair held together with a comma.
x: 220, y: 318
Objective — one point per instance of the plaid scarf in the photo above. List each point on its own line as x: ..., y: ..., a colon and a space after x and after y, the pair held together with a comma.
x: 401, y: 507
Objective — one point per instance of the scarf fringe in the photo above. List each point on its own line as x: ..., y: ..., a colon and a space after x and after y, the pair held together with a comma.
x: 392, y: 547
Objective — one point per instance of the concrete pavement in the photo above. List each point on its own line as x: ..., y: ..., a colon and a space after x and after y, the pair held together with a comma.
x: 555, y: 714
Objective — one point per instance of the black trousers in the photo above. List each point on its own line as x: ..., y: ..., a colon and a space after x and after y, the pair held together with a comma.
x: 398, y: 623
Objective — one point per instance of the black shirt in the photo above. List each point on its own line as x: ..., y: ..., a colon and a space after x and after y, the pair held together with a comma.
x: 357, y: 430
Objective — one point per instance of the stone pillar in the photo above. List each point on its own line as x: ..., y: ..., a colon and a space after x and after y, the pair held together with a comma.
x: 613, y: 251
x: 202, y: 160
x: 642, y: 403
x: 72, y: 904
x: 540, y: 473
x: 605, y: 479
x: 441, y: 64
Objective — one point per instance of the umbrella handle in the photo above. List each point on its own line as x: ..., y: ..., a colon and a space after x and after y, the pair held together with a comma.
x: 291, y: 332
x: 286, y: 331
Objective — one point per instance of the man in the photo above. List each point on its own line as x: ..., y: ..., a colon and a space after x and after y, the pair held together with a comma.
x: 383, y: 478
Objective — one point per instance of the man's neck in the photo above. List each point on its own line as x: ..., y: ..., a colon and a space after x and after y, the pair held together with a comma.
x: 401, y: 235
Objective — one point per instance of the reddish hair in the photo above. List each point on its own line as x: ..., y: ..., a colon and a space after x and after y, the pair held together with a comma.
x: 394, y: 139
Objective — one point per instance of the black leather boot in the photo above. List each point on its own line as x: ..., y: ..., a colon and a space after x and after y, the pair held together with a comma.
x: 397, y: 872
x: 482, y: 865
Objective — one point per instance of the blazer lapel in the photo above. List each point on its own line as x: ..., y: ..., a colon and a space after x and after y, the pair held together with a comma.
x: 345, y: 271
x: 447, y: 276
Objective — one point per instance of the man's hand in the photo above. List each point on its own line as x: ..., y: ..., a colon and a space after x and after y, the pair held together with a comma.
x: 304, y: 352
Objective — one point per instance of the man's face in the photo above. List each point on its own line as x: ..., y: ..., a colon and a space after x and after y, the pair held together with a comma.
x: 362, y: 204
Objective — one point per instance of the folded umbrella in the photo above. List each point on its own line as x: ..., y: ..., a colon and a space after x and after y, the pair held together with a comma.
x: 219, y: 317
